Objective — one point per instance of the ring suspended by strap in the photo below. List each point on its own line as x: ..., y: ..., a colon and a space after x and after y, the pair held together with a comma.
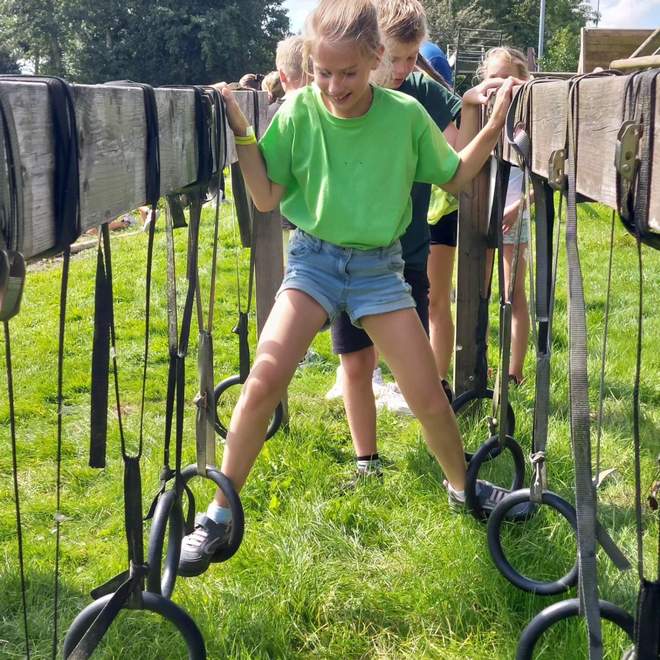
x: 567, y: 609
x: 171, y: 612
x: 206, y: 401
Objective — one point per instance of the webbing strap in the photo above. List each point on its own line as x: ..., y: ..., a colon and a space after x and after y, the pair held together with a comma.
x: 66, y: 188
x: 585, y: 492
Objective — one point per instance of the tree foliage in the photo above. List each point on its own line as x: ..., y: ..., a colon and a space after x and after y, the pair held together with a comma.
x: 162, y: 42
x: 519, y: 22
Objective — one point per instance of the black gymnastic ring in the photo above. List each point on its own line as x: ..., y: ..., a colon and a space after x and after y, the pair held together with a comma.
x: 237, y: 518
x: 495, y: 519
x: 465, y: 398
x: 221, y: 429
x: 150, y: 602
x: 483, y: 455
x: 564, y: 610
x: 168, y: 510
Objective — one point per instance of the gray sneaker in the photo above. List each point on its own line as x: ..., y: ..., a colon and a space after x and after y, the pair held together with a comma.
x: 198, y: 547
x: 489, y: 496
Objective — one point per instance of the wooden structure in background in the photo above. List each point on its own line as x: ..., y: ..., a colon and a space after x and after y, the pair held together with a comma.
x: 599, y: 46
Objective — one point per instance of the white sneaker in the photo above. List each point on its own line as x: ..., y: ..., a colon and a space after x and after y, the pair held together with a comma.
x: 336, y: 390
x: 394, y: 402
x: 379, y: 386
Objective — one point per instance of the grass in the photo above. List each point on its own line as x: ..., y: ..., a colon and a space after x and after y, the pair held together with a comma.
x: 385, y: 572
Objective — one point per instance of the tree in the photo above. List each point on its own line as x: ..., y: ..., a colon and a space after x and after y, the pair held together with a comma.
x: 161, y: 42
x: 7, y: 63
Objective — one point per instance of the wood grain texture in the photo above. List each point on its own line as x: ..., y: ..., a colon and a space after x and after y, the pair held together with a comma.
x: 112, y: 138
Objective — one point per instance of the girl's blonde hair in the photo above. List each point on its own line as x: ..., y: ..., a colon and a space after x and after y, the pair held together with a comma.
x: 511, y: 55
x: 402, y: 20
x: 343, y: 20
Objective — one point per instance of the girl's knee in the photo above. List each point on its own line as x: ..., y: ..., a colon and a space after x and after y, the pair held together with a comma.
x: 358, y: 367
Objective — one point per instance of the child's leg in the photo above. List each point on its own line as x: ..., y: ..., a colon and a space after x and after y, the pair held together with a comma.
x: 400, y: 338
x: 519, y: 309
x: 359, y: 401
x: 441, y: 326
x: 291, y: 326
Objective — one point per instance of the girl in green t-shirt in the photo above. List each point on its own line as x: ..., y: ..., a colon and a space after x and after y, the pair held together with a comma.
x: 341, y: 157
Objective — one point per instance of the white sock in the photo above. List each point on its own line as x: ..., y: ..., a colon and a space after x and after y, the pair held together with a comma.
x: 458, y: 494
x: 219, y: 514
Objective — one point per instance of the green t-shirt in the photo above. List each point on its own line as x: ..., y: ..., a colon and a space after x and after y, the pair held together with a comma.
x: 348, y: 181
x: 444, y: 107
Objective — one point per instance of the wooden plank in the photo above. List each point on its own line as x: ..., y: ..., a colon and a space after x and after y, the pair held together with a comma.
x: 112, y: 139
x: 650, y: 46
x: 599, y: 121
x: 472, y: 232
x: 646, y: 62
x: 599, y: 46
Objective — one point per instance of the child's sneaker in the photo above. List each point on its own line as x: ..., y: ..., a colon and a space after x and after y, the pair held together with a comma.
x: 489, y: 496
x: 198, y: 547
x: 361, y: 478
x: 336, y: 390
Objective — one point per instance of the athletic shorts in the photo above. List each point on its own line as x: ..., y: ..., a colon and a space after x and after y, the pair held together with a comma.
x: 445, y: 231
x: 357, y: 282
x: 346, y: 338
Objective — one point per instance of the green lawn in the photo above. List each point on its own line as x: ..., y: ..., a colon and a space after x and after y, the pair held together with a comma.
x: 386, y: 572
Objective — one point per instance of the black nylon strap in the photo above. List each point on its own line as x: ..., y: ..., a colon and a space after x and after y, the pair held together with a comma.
x: 66, y: 189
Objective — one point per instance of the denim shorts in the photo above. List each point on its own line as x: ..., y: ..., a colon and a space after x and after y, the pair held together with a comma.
x: 358, y: 282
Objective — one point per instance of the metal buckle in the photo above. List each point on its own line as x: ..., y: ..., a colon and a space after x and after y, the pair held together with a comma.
x: 556, y: 171
x: 12, y: 282
x: 540, y: 479
x: 627, y: 144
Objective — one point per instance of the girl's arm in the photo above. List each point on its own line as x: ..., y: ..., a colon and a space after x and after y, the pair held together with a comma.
x: 474, y: 155
x: 265, y: 194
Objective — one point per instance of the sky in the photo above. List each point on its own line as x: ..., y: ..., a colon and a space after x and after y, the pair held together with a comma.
x: 614, y: 13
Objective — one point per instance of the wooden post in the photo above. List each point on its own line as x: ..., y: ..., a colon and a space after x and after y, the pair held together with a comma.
x: 472, y: 232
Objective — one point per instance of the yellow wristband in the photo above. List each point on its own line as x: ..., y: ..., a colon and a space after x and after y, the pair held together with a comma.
x: 243, y: 141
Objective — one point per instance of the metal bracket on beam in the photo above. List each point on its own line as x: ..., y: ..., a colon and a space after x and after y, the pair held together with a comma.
x: 556, y: 170
x: 627, y: 145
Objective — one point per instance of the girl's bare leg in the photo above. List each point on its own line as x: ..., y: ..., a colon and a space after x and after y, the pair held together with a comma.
x: 359, y: 402
x: 291, y: 326
x: 519, y: 309
x: 440, y: 270
x: 412, y: 364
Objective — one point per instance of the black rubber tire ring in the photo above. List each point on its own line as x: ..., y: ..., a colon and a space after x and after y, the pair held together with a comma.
x: 168, y: 517
x: 494, y: 530
x: 237, y: 518
x: 152, y: 603
x: 469, y: 396
x: 563, y: 610
x: 481, y: 456
x: 221, y: 429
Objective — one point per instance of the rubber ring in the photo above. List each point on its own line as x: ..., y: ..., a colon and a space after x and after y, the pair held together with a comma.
x: 168, y: 510
x: 497, y: 516
x: 221, y: 429
x: 237, y: 518
x: 480, y: 457
x: 565, y: 610
x: 152, y: 603
x: 471, y: 395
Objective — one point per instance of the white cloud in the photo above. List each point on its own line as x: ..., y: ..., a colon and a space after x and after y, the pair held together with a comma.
x: 628, y: 13
x: 298, y: 10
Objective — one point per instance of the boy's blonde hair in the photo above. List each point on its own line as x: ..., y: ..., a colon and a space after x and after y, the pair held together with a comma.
x: 289, y: 57
x: 402, y: 20
x: 272, y: 84
x: 511, y: 55
x: 343, y: 20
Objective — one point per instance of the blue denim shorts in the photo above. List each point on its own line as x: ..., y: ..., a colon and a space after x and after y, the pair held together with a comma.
x: 358, y: 282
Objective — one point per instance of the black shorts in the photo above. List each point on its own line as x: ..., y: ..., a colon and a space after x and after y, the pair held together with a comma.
x: 346, y: 338
x: 445, y: 231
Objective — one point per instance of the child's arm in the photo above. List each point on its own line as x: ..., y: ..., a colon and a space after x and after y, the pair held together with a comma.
x: 265, y: 194
x: 474, y: 155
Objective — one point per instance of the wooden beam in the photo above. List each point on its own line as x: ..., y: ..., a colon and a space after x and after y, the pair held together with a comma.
x: 650, y: 46
x: 645, y: 62
x: 112, y: 137
x: 599, y: 46
x: 599, y: 120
